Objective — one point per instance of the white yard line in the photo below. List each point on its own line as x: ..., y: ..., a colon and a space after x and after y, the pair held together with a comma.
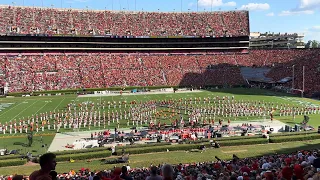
x: 11, y: 108
x: 24, y: 110
x: 59, y: 104
x: 42, y: 106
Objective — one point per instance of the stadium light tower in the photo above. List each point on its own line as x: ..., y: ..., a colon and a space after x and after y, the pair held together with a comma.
x: 112, y: 4
x: 128, y: 7
x: 197, y: 5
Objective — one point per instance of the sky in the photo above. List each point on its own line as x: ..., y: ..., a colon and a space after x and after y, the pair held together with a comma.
x: 291, y: 16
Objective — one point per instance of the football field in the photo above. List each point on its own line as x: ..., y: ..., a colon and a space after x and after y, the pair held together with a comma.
x: 23, y: 107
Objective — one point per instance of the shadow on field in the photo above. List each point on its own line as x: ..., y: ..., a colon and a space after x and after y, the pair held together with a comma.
x: 304, y: 147
x: 251, y: 92
x: 225, y: 74
x: 20, y: 144
x: 218, y: 77
x: 285, y: 150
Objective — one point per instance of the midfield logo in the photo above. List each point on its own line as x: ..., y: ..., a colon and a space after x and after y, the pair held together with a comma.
x: 3, y: 106
x: 301, y: 102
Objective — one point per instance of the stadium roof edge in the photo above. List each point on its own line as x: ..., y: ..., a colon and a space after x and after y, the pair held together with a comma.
x: 121, y: 49
x: 74, y: 9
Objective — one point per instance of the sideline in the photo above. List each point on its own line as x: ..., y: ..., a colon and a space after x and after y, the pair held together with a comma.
x: 139, y: 93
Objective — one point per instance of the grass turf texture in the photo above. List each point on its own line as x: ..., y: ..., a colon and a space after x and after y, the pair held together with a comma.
x: 20, y: 143
x: 175, y: 157
x: 96, y: 153
x: 27, y: 106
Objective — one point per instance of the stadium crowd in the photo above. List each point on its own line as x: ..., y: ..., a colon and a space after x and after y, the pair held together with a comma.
x: 55, y: 71
x: 51, y: 21
x: 301, y: 165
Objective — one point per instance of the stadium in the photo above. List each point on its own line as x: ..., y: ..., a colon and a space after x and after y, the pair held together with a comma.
x: 189, y: 94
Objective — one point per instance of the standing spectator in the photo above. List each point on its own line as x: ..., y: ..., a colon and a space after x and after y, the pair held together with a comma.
x: 47, y: 163
x: 287, y: 172
x: 91, y: 174
x: 154, y: 174
x: 167, y: 172
x: 96, y: 178
x: 53, y: 175
x: 116, y: 174
x: 17, y: 177
x: 311, y: 158
x: 124, y: 174
x: 316, y: 162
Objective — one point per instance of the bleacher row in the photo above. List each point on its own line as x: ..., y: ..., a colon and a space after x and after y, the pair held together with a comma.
x: 301, y: 165
x: 36, y: 72
x: 50, y: 21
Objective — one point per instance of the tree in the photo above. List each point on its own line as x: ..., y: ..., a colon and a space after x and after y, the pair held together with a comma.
x: 315, y: 44
x: 308, y: 44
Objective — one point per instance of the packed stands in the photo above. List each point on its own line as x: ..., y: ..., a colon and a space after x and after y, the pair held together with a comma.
x: 67, y: 71
x: 298, y: 165
x: 311, y: 60
x: 50, y: 21
x: 303, y: 164
x: 55, y: 71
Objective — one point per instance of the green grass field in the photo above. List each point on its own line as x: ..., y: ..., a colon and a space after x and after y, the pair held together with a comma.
x: 145, y: 160
x: 19, y: 107
x: 28, y: 106
x: 20, y: 143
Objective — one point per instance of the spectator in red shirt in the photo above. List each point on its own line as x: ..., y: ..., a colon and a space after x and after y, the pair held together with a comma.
x: 255, y: 166
x: 298, y: 171
x: 287, y: 172
x: 245, y: 169
x: 116, y: 173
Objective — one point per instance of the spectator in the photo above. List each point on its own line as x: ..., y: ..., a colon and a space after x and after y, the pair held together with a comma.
x: 91, y: 176
x: 54, y: 175
x: 311, y: 158
x: 167, y: 172
x: 154, y: 174
x: 116, y: 174
x: 47, y: 163
x: 96, y: 178
x: 287, y: 172
x: 124, y: 174
x: 316, y: 162
x: 17, y: 177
